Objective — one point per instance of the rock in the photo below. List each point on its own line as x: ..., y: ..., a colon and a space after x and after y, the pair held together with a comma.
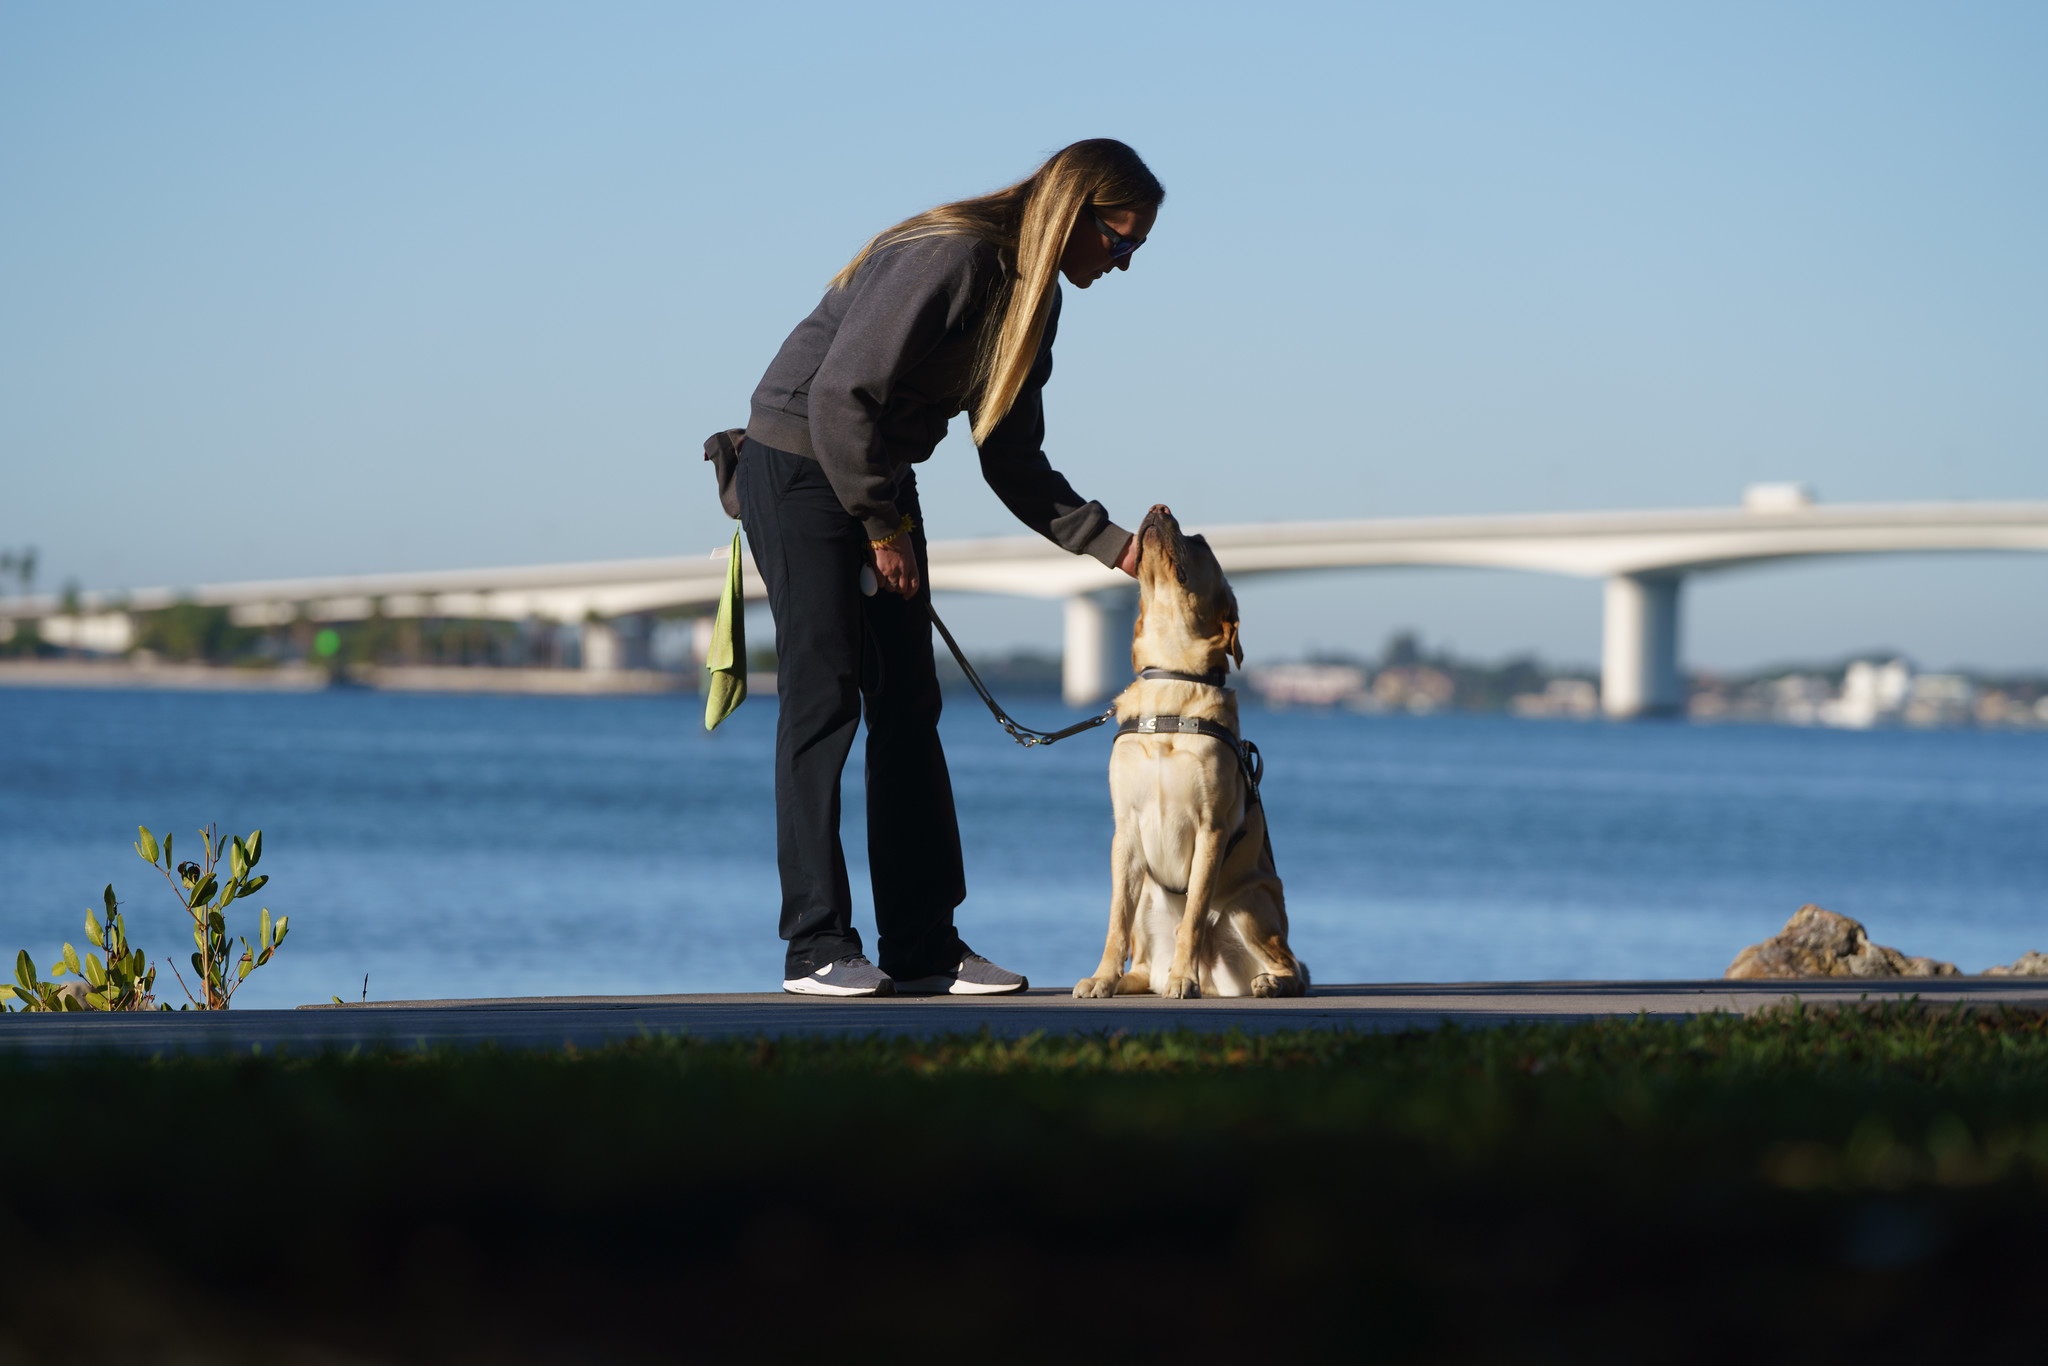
x: 1818, y: 943
x: 2033, y: 964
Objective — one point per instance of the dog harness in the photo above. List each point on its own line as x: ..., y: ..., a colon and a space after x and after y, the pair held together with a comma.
x: 1249, y: 759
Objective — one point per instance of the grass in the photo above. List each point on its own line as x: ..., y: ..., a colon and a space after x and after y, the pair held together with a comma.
x: 1822, y: 1182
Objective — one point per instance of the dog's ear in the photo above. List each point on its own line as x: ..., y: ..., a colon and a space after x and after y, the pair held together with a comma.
x: 1230, y: 640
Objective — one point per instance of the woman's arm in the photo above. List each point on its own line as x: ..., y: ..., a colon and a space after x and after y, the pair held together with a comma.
x: 1013, y: 461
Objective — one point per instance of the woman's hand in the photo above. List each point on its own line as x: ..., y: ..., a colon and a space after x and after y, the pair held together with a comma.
x: 896, y: 567
x: 1128, y: 561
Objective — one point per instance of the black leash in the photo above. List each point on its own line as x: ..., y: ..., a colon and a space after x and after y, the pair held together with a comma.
x: 1248, y: 756
x: 1249, y: 759
x: 1021, y: 733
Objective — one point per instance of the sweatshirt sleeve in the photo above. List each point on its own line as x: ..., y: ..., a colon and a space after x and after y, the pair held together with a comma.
x: 1013, y: 461
x: 905, y: 300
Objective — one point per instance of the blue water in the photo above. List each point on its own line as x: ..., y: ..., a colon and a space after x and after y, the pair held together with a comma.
x: 502, y: 846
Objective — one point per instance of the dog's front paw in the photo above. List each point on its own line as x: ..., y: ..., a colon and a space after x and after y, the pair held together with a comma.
x: 1278, y: 984
x: 1185, y: 988
x: 1089, y: 987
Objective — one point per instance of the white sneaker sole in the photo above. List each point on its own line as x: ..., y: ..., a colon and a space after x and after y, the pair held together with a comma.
x: 811, y: 986
x: 953, y: 986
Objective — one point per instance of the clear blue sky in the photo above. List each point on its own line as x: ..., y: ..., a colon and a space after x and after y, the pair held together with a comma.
x: 294, y: 289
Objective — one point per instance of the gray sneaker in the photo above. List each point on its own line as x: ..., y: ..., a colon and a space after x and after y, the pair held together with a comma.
x: 975, y: 976
x: 852, y: 975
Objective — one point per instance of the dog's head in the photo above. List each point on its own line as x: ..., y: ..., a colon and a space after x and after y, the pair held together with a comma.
x: 1187, y: 615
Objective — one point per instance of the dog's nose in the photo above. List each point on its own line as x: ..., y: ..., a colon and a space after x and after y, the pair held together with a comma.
x: 1162, y: 509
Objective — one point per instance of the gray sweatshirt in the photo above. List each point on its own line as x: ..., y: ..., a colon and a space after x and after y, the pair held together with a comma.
x: 868, y: 382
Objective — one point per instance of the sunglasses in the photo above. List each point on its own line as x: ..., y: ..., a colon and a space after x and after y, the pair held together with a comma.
x: 1120, y: 246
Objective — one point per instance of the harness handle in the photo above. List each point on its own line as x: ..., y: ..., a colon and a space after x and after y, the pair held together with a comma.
x: 1249, y: 760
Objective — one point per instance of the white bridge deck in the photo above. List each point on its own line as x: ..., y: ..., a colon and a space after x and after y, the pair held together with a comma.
x: 1643, y: 556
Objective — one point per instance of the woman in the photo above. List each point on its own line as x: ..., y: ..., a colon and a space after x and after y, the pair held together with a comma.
x: 953, y: 309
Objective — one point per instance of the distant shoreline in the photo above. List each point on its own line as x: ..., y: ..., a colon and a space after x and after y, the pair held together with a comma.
x: 124, y: 674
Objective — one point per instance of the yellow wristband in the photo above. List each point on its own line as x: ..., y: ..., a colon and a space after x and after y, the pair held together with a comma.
x: 902, y: 530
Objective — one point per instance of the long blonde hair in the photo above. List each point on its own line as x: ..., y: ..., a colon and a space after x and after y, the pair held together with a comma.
x: 1028, y: 222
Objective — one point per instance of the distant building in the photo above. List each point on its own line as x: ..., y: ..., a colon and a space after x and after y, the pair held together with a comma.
x: 1573, y: 698
x: 1871, y: 693
x: 1413, y: 688
x: 1308, y: 685
x: 1798, y: 698
x: 1940, y: 700
x: 1416, y: 688
x: 1862, y: 694
x: 1996, y: 707
x: 1874, y: 692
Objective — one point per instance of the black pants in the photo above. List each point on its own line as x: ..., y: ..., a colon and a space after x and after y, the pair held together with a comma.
x: 836, y: 651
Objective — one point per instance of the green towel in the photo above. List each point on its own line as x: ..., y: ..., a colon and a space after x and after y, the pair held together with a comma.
x: 728, y: 658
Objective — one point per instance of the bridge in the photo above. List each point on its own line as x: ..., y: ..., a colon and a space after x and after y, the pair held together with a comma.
x: 1644, y: 557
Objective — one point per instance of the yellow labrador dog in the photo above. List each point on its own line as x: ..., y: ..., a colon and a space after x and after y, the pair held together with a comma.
x: 1195, y: 904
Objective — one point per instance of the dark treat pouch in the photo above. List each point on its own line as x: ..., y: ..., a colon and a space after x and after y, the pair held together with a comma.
x: 722, y: 449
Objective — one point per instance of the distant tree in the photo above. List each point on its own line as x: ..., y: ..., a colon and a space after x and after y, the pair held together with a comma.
x: 20, y: 565
x: 190, y: 631
x: 27, y: 641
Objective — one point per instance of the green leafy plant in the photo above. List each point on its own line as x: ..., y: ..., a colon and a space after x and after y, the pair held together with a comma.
x: 33, y: 992
x: 206, y: 898
x: 125, y: 980
x: 122, y: 981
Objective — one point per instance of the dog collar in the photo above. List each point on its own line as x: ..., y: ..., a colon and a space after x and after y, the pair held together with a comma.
x: 1214, y: 678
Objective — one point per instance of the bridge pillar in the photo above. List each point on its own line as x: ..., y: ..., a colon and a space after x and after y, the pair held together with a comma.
x: 1639, y: 648
x: 1097, y: 660
x: 603, y: 650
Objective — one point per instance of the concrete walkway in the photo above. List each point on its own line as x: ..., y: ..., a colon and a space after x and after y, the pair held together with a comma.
x: 586, y: 1021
